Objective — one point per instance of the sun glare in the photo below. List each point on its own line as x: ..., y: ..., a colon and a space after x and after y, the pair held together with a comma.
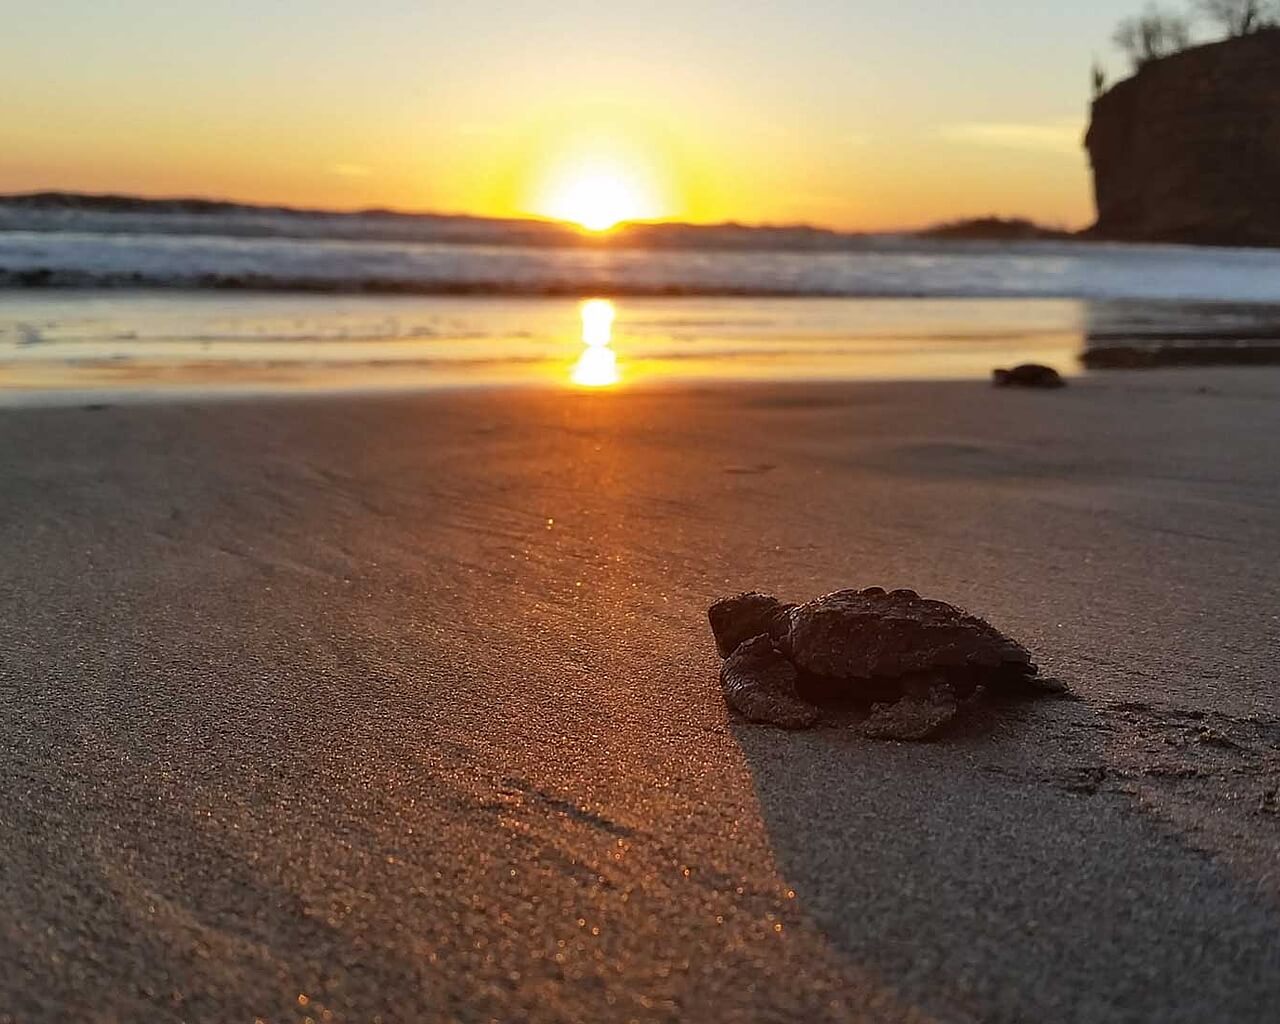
x: 597, y: 323
x: 597, y: 201
x: 597, y: 366
x: 599, y: 182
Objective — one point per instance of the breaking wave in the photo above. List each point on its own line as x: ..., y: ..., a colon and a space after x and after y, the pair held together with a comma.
x: 889, y: 267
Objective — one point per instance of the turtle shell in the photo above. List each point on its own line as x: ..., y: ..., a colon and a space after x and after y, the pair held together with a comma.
x: 874, y: 634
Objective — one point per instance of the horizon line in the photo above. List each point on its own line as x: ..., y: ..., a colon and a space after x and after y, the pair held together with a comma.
x: 524, y: 219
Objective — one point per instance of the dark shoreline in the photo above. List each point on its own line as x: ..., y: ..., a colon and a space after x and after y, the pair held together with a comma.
x: 1159, y: 355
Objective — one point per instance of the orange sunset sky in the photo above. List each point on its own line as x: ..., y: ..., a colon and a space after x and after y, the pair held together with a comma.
x: 848, y: 114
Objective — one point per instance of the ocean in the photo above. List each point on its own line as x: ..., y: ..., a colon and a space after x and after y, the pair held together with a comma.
x: 156, y: 302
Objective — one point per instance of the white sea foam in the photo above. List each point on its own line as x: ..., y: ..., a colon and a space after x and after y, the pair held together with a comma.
x: 888, y: 267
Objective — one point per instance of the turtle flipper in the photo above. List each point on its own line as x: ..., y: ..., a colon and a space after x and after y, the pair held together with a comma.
x: 910, y: 718
x: 1019, y: 682
x: 927, y: 704
x: 1051, y: 686
x: 760, y: 684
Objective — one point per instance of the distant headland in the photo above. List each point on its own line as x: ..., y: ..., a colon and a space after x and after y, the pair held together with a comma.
x: 59, y: 210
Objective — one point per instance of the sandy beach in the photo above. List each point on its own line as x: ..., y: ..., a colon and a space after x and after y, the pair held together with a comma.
x: 404, y: 708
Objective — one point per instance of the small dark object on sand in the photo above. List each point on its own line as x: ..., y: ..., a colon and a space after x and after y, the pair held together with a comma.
x: 1028, y: 375
x: 912, y: 660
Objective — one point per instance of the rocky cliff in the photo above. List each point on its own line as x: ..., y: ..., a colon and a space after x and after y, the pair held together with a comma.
x: 1188, y: 149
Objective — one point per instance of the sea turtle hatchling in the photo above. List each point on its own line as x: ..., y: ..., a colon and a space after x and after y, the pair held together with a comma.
x: 911, y: 659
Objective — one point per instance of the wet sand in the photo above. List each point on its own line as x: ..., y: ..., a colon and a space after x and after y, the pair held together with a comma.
x: 404, y: 708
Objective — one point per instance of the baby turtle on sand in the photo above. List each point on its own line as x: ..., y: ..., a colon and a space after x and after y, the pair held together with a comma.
x: 1028, y: 375
x: 911, y: 659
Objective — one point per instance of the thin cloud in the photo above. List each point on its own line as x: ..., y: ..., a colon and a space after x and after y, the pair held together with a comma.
x: 351, y: 170
x: 1060, y: 136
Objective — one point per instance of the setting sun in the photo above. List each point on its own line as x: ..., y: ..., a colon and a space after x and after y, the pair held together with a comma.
x: 597, y: 177
x: 596, y: 201
x: 599, y: 198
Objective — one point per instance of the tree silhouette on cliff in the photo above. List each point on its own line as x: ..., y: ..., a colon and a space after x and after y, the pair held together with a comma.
x: 1157, y: 32
x: 1153, y: 34
x: 1240, y: 17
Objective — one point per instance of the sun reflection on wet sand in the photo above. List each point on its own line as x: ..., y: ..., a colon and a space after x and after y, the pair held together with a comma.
x: 597, y: 367
x: 160, y: 342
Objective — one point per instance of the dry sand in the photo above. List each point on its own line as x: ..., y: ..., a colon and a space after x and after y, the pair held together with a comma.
x: 405, y: 708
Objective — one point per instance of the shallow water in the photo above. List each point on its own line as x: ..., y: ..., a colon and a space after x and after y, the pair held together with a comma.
x: 247, y: 341
x: 254, y: 300
x: 197, y: 341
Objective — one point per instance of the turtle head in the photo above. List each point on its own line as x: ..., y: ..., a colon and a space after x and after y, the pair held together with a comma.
x: 736, y: 619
